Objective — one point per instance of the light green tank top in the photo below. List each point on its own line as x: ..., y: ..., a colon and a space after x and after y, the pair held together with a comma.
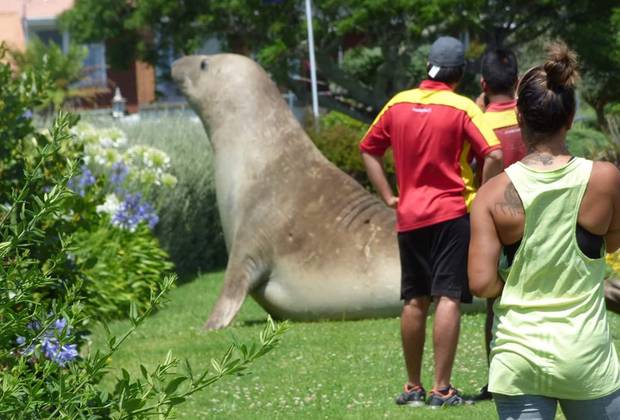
x: 551, y: 335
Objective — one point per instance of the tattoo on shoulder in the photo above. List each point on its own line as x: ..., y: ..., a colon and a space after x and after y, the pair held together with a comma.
x: 512, y: 204
x: 544, y: 158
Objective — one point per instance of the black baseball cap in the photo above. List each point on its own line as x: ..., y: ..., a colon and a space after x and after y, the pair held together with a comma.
x: 447, y: 51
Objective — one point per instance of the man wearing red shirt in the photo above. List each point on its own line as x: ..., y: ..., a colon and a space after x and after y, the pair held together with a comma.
x: 498, y: 82
x: 432, y: 131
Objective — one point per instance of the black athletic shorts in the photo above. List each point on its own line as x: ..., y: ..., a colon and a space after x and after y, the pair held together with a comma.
x: 433, y: 260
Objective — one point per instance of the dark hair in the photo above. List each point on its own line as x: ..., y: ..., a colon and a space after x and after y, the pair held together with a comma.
x: 448, y: 75
x: 499, y: 70
x: 546, y: 94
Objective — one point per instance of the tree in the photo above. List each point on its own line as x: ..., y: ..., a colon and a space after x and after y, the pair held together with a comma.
x: 276, y: 33
x: 383, y: 41
x: 64, y: 69
x: 593, y: 36
x: 583, y: 24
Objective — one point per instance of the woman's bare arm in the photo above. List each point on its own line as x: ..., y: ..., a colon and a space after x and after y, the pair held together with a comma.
x: 485, y: 247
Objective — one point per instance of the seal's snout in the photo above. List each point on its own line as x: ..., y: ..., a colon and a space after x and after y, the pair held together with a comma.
x: 189, y: 69
x: 181, y: 69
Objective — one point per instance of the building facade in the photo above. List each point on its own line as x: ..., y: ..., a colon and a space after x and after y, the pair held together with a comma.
x: 23, y: 20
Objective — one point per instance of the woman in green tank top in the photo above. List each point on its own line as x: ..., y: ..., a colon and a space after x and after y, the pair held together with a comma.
x: 546, y: 222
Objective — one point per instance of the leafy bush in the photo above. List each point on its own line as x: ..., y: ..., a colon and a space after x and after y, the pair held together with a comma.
x: 85, y: 219
x: 338, y: 138
x: 591, y: 144
x: 43, y: 295
x: 63, y: 69
x: 43, y: 373
x: 119, y: 268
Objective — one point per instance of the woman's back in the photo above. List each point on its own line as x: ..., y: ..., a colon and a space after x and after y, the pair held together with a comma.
x: 597, y: 213
x: 553, y: 327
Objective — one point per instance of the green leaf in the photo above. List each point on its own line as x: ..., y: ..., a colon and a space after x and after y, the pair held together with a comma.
x: 174, y: 384
x: 133, y: 404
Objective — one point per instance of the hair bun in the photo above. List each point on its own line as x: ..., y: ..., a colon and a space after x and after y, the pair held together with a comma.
x: 561, y: 66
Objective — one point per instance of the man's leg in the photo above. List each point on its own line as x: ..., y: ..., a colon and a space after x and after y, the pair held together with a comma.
x: 445, y: 338
x: 413, y: 330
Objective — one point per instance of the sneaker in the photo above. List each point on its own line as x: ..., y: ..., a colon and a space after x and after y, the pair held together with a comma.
x: 484, y: 394
x: 413, y: 396
x: 447, y: 398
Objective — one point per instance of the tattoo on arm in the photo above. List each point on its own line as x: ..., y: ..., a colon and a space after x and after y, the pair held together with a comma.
x: 512, y: 203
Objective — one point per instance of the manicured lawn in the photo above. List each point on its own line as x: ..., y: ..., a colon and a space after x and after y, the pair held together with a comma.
x: 333, y: 370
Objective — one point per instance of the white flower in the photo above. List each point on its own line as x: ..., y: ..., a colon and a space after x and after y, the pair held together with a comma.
x: 168, y: 180
x: 110, y: 206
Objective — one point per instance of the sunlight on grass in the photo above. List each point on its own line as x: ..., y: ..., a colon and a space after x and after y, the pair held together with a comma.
x: 337, y: 370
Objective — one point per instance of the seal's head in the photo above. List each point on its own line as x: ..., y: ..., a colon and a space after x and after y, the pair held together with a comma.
x: 223, y: 85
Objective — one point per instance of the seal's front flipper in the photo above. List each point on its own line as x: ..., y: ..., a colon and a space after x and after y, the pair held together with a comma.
x: 241, y: 275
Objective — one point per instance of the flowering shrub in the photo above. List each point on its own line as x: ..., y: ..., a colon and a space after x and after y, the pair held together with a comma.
x: 44, y: 295
x: 131, y: 175
x: 43, y: 375
x: 613, y: 262
x: 116, y: 253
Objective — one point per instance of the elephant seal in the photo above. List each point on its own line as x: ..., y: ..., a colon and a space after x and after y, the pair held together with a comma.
x: 303, y: 238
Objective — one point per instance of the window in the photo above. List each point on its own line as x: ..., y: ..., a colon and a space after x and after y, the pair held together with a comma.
x: 48, y: 36
x: 94, y: 64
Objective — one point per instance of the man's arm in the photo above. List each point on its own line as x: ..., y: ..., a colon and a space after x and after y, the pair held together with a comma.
x: 493, y: 165
x: 484, y: 249
x: 376, y: 173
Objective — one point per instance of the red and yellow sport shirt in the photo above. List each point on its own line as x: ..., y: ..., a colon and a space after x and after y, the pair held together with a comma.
x: 431, y: 131
x: 501, y: 117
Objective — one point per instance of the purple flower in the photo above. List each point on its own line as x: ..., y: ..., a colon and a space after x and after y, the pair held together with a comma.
x: 80, y: 183
x: 56, y: 353
x: 132, y: 211
x: 34, y: 325
x: 60, y: 324
x: 50, y: 343
x: 118, y: 173
x: 67, y: 353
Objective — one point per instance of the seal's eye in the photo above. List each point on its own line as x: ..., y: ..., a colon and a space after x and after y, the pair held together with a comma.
x: 204, y: 65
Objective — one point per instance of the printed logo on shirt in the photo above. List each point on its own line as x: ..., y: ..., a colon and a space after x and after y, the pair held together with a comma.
x: 422, y: 110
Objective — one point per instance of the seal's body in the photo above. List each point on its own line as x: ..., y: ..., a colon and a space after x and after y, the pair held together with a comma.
x: 305, y: 239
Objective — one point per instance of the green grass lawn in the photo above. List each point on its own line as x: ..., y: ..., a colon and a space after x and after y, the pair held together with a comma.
x: 333, y: 370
